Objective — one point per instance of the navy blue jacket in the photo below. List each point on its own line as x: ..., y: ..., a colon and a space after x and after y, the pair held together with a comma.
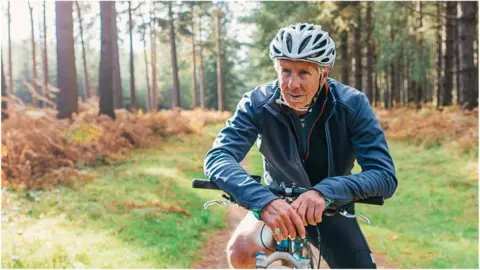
x: 352, y: 131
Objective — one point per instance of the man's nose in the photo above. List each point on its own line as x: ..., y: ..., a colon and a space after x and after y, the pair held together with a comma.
x: 293, y: 82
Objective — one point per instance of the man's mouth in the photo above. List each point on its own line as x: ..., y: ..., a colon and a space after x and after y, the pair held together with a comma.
x: 296, y: 97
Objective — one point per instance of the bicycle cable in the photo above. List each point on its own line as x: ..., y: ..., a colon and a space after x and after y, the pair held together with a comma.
x: 261, y: 239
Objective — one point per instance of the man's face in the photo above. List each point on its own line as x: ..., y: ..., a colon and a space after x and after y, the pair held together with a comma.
x: 298, y: 82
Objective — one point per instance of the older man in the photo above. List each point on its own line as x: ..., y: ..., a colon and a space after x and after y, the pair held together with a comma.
x: 310, y: 128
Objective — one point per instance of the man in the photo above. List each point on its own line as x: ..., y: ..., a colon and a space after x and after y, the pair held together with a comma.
x: 310, y: 128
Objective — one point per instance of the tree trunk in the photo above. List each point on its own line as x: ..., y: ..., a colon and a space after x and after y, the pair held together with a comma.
x: 345, y: 59
x: 10, y: 76
x: 376, y: 96
x: 449, y: 54
x: 117, y: 80
x: 369, y: 88
x: 194, y: 66
x: 438, y: 64
x: 133, y: 105
x: 34, y: 62
x: 154, y: 104
x: 67, y: 101
x: 173, y: 50
x: 202, y: 69
x: 467, y: 71
x: 357, y: 43
x: 107, y: 15
x: 393, y: 72
x: 457, y: 58
x: 386, y: 93
x: 219, y: 61
x: 4, y: 93
x: 86, y: 86
x: 418, y: 84
x: 44, y: 55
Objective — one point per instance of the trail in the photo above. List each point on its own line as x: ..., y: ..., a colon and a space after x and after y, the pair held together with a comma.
x: 214, y: 254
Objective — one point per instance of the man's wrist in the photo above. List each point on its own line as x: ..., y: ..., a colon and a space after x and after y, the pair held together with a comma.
x: 328, y: 201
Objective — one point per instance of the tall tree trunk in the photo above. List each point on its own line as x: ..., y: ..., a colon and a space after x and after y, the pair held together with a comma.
x: 393, y: 72
x: 376, y: 96
x: 346, y: 60
x: 418, y: 84
x: 34, y: 62
x: 357, y: 43
x: 202, y: 69
x: 457, y: 57
x: 438, y: 64
x: 449, y: 54
x: 369, y: 26
x: 10, y: 76
x: 117, y: 80
x: 67, y: 101
x: 133, y: 105
x: 86, y: 86
x: 44, y: 55
x: 107, y: 59
x: 467, y: 71
x: 219, y: 61
x: 173, y: 50
x: 153, y: 39
x: 194, y: 65
x: 386, y: 93
x: 4, y: 92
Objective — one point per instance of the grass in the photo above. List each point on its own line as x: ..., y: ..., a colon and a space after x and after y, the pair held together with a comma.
x: 143, y: 213
x: 432, y: 220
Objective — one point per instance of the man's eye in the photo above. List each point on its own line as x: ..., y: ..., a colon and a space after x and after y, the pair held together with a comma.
x: 304, y: 72
x: 285, y: 70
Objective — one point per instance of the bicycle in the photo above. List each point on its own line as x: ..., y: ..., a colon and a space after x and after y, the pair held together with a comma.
x: 295, y: 253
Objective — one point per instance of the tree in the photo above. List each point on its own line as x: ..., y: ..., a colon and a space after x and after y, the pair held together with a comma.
x: 67, y: 101
x: 143, y: 30
x: 117, y: 83
x: 218, y: 16
x: 44, y: 55
x: 132, y: 68
x: 202, y: 67
x: 369, y: 41
x: 357, y: 44
x: 10, y: 76
x: 451, y: 12
x: 4, y: 94
x: 194, y: 66
x: 467, y: 70
x: 173, y: 51
x: 439, y: 67
x: 107, y: 15
x: 34, y: 62
x: 86, y: 86
x: 153, y: 40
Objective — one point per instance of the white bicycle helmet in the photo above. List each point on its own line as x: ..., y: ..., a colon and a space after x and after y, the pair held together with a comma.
x: 303, y: 42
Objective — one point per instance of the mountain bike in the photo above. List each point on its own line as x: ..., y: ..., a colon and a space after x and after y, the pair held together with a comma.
x: 291, y: 254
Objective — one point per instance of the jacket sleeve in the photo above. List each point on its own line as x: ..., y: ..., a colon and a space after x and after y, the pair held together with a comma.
x: 371, y: 150
x: 222, y: 162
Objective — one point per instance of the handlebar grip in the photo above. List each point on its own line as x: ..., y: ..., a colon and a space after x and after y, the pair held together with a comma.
x: 373, y: 200
x: 204, y: 184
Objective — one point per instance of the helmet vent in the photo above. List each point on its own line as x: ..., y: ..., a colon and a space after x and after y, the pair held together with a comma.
x: 302, y: 27
x: 317, y: 38
x: 304, y: 44
x: 289, y: 42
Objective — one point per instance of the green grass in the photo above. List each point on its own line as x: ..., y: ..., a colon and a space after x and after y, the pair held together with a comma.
x: 93, y: 226
x: 431, y: 222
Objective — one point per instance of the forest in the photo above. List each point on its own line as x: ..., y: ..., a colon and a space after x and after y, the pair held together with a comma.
x: 109, y: 107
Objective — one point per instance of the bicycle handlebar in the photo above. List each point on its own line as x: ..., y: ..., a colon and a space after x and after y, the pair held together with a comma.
x: 281, y: 190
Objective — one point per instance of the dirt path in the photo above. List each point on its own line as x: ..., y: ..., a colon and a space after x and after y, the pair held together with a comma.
x: 214, y: 256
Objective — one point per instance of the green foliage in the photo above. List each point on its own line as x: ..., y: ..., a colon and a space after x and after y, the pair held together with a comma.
x: 83, y: 133
x: 113, y: 220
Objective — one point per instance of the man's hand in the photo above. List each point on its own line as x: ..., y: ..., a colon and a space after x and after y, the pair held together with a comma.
x: 310, y: 206
x: 279, y: 214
